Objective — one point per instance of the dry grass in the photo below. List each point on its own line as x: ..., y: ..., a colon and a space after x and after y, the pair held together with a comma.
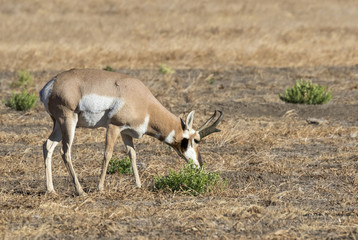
x: 41, y: 35
x: 286, y: 179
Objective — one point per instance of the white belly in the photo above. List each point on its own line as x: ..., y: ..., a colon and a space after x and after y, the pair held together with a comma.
x: 96, y: 111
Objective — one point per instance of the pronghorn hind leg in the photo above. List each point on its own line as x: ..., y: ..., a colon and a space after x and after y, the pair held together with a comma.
x: 68, y: 126
x: 128, y: 142
x: 111, y: 137
x: 48, y: 148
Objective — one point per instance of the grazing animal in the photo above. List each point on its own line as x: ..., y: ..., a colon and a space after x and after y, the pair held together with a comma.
x: 122, y: 104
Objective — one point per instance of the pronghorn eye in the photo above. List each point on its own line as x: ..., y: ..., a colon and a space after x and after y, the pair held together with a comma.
x: 184, y: 144
x: 196, y: 141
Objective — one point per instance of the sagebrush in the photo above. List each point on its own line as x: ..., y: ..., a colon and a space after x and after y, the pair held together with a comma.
x: 191, y: 180
x: 21, y: 101
x: 165, y: 69
x: 306, y: 92
x: 123, y: 166
x: 24, y: 80
x: 24, y: 100
x: 108, y: 68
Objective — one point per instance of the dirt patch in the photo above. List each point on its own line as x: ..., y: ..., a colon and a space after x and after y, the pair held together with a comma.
x: 286, y: 178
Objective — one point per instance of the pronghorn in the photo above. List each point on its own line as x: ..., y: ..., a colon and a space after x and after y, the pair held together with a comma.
x: 124, y: 105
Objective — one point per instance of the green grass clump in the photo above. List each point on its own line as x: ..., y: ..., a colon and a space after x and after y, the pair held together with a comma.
x: 123, y: 166
x: 108, y: 68
x: 21, y: 101
x: 165, y: 69
x: 305, y: 92
x: 24, y: 100
x: 191, y: 180
x: 210, y: 79
x: 24, y: 80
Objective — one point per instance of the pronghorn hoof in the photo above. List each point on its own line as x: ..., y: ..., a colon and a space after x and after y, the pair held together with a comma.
x: 82, y: 195
x: 51, y: 193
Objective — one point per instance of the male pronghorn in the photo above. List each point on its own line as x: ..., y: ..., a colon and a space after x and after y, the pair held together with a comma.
x: 95, y: 98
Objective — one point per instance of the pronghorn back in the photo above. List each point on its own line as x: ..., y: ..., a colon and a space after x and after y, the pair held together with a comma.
x: 98, y: 96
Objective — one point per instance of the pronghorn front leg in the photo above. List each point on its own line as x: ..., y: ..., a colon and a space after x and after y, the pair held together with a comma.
x: 111, y: 137
x: 128, y: 142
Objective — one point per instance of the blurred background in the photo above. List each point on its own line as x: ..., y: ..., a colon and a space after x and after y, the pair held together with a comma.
x: 57, y: 35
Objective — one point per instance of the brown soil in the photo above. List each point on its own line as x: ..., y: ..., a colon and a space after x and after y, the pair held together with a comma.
x: 286, y: 178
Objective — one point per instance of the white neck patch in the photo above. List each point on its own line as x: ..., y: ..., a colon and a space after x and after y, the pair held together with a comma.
x: 142, y: 129
x: 136, y: 132
x: 170, y: 138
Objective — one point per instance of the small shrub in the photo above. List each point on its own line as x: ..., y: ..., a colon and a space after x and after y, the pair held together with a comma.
x: 164, y: 69
x: 24, y: 80
x: 191, y: 180
x: 108, y: 68
x: 305, y: 92
x: 123, y: 166
x: 210, y: 79
x: 21, y: 101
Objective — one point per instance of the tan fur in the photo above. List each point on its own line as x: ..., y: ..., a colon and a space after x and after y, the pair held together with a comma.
x: 69, y: 88
x: 72, y: 85
x: 94, y: 98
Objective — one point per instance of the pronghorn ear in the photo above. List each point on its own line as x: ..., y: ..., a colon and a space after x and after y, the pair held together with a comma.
x: 190, y: 119
x: 182, y: 124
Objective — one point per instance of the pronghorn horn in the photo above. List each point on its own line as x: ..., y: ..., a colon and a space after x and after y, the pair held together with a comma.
x: 205, y: 129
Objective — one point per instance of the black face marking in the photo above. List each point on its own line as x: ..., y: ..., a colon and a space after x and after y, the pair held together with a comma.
x: 184, y: 144
x: 199, y: 159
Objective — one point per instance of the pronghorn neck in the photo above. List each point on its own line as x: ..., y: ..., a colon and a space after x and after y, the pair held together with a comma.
x: 164, y: 126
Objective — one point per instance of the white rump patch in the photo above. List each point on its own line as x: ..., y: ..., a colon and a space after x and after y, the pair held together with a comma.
x: 170, y: 138
x: 45, y: 93
x: 96, y: 110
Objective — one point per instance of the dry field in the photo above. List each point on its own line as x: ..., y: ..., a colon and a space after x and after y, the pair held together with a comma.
x: 287, y: 179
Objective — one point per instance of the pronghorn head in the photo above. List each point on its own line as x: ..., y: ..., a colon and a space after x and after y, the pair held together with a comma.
x: 188, y: 146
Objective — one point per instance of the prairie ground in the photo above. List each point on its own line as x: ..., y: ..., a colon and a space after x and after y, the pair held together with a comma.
x: 287, y: 179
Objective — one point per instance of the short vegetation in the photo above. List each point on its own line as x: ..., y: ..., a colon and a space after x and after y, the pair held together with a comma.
x: 210, y: 79
x: 306, y: 92
x: 24, y: 100
x: 108, y: 68
x: 123, y: 166
x: 24, y: 80
x: 190, y: 180
x: 165, y: 69
x: 21, y: 101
